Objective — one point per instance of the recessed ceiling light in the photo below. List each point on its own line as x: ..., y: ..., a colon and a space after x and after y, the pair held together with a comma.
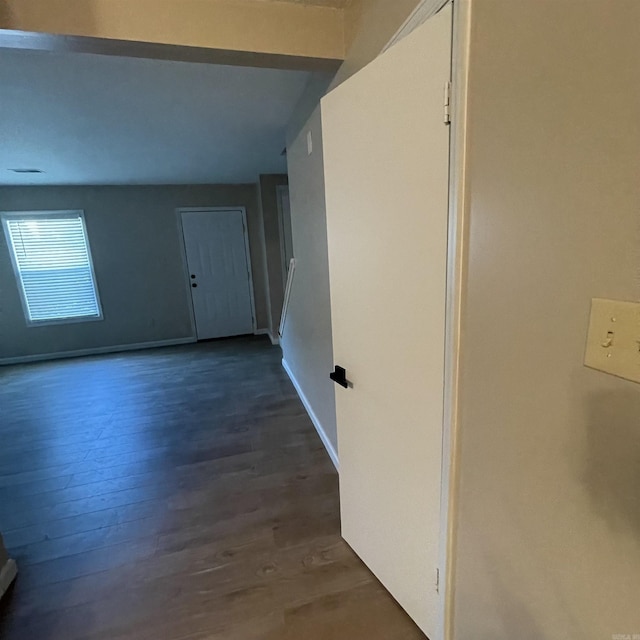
x: 26, y: 170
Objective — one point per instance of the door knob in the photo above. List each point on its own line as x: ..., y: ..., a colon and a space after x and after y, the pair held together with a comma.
x: 339, y: 376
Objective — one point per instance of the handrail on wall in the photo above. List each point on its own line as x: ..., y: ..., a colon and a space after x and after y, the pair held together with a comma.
x: 287, y: 295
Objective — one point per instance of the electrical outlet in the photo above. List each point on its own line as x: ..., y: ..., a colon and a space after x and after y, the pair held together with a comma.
x: 613, y: 342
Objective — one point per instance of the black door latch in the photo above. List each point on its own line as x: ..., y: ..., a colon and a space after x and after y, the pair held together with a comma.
x: 339, y: 376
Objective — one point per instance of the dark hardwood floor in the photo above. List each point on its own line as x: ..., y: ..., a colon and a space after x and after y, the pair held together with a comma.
x: 175, y: 494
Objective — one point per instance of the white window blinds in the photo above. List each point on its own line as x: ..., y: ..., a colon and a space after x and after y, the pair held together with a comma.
x: 53, y: 266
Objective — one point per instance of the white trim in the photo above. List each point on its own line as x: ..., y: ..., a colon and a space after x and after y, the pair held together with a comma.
x: 287, y: 297
x: 247, y: 250
x: 283, y: 257
x: 185, y: 271
x: 8, y: 574
x: 333, y: 454
x: 267, y: 332
x: 281, y: 189
x: 97, y: 351
x: 456, y: 270
x: 265, y: 260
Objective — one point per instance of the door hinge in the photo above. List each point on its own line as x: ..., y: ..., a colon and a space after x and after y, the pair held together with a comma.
x: 447, y: 102
x: 437, y: 580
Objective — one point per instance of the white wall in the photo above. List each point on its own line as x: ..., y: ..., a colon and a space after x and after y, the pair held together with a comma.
x: 549, y: 515
x: 549, y: 511
x: 306, y: 344
x: 136, y: 249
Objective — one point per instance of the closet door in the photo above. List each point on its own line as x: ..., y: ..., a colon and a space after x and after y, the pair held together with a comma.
x: 386, y: 157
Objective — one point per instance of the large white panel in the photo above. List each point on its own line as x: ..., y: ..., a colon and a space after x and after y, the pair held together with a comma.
x: 386, y: 168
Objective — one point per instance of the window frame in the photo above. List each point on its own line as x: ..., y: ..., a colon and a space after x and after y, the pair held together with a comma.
x: 6, y: 216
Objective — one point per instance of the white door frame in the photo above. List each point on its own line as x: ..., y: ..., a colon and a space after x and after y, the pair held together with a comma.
x: 185, y: 263
x: 280, y: 189
x: 457, y: 262
x: 440, y: 612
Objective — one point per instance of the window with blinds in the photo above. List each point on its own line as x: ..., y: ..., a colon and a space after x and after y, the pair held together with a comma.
x: 52, y: 261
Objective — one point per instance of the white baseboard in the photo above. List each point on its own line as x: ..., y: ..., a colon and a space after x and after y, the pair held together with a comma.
x: 97, y: 351
x: 275, y: 341
x: 7, y: 575
x: 333, y: 454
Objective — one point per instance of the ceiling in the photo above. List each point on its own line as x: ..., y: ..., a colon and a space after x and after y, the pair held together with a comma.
x: 91, y: 119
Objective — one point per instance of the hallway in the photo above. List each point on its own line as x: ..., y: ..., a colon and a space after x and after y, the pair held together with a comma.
x: 175, y: 494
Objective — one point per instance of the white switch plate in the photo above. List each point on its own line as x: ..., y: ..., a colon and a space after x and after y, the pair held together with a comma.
x: 613, y: 342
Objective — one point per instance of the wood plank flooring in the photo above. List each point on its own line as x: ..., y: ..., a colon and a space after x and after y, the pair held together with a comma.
x: 175, y: 494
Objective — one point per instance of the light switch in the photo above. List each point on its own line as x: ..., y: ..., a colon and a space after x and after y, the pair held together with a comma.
x: 613, y: 342
x: 309, y: 143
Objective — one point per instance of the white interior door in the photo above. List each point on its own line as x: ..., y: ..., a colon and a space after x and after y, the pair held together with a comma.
x: 217, y: 253
x: 386, y: 156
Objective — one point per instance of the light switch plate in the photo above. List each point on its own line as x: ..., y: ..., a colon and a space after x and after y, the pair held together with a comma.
x: 613, y: 342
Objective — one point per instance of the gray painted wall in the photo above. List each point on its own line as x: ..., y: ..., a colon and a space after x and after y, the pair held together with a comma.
x: 316, y: 88
x: 136, y: 247
x: 307, y: 343
x: 548, y: 531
